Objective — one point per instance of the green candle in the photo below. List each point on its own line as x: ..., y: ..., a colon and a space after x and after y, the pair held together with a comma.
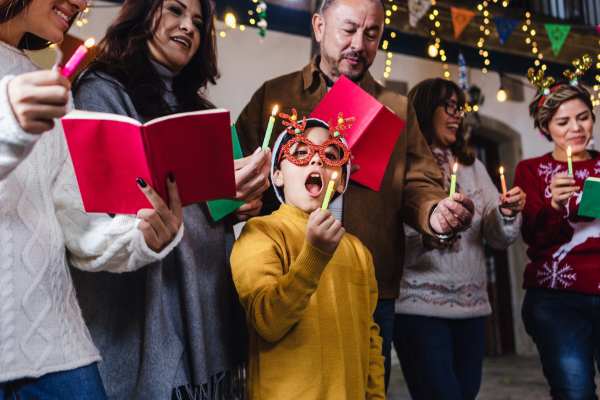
x: 570, y: 161
x: 453, y: 180
x: 270, y: 126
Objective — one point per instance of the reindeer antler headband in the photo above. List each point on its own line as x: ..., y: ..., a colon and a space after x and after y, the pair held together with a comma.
x: 547, y: 84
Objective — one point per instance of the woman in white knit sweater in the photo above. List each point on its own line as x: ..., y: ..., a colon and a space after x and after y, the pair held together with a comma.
x: 45, y: 348
x: 440, y: 314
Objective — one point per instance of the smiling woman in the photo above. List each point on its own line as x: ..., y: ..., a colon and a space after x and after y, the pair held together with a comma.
x: 47, y: 21
x: 174, y: 330
x: 45, y: 348
x: 178, y: 35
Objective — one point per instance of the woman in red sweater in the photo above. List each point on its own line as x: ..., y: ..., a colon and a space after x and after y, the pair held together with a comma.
x: 561, y: 310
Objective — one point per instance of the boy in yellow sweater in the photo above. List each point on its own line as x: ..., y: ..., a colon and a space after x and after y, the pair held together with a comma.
x: 308, y: 288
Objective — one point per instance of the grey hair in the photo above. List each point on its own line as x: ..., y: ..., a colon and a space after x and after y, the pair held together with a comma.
x: 325, y: 4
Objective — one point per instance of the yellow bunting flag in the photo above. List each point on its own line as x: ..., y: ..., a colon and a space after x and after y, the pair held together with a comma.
x: 460, y: 19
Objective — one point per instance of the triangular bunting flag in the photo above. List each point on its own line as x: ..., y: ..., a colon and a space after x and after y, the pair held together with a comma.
x: 557, y: 33
x: 416, y: 10
x: 460, y: 19
x: 505, y: 27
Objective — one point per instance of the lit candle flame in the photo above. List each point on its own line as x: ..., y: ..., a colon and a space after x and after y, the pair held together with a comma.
x: 455, y: 168
x: 569, y: 151
x: 334, y: 176
x: 91, y: 42
x: 275, y: 109
x: 501, y: 170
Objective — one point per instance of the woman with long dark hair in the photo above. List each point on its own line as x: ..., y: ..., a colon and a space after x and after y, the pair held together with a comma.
x: 171, y: 330
x: 561, y: 309
x: 440, y: 314
x: 45, y: 348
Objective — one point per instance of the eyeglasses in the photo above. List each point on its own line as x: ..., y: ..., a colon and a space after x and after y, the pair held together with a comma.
x: 453, y: 109
x: 299, y: 150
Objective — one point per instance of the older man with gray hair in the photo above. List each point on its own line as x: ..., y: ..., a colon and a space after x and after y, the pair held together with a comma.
x: 348, y: 33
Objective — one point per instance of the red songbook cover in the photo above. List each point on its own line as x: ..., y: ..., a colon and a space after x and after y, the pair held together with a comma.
x: 110, y: 151
x: 373, y: 135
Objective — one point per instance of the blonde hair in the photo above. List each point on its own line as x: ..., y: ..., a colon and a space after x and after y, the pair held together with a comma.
x: 544, y: 106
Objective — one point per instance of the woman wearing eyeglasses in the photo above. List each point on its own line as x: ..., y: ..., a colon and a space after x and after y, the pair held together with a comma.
x: 443, y: 303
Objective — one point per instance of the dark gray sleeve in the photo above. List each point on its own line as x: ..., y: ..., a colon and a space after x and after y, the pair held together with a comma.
x: 100, y: 92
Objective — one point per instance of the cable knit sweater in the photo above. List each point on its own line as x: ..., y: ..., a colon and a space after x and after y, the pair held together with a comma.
x: 41, y: 328
x: 452, y: 283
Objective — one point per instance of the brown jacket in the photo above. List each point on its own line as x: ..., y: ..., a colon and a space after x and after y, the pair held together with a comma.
x: 411, y: 186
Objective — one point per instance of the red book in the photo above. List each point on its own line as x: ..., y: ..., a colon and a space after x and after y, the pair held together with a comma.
x: 373, y: 135
x: 110, y: 151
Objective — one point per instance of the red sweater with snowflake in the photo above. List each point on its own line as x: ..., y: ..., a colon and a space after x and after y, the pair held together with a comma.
x: 564, y: 249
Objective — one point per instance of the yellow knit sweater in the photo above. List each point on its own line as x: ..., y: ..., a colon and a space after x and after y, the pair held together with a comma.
x: 312, y: 334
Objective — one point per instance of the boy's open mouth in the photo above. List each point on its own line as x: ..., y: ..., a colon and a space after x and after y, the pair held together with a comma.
x: 314, y: 184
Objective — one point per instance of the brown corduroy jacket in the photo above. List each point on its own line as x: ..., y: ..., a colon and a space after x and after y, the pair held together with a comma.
x: 411, y: 187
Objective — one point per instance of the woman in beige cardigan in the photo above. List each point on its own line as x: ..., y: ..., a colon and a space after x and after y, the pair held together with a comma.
x: 440, y: 314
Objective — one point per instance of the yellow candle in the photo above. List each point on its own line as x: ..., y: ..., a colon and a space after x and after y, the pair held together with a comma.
x: 329, y: 192
x: 570, y: 160
x: 269, y: 131
x: 503, y: 181
x: 453, y: 179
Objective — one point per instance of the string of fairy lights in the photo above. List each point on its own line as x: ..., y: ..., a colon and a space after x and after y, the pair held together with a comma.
x: 257, y: 17
x: 530, y: 39
x: 596, y: 88
x: 484, y: 29
x: 435, y: 49
x: 390, y: 11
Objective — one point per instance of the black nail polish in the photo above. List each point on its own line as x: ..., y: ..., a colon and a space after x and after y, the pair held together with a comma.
x: 171, y: 177
x: 141, y: 182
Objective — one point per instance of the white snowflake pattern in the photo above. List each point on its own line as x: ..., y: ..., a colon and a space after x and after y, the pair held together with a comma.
x: 597, y: 168
x: 582, y: 174
x: 548, y: 171
x: 555, y: 275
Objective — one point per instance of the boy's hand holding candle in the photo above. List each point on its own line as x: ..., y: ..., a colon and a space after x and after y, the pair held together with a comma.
x: 324, y: 231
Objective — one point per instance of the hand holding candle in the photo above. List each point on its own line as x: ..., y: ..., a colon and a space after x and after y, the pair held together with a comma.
x: 503, y: 181
x: 270, y: 126
x: 329, y: 192
x: 453, y: 179
x: 71, y: 66
x: 570, y: 160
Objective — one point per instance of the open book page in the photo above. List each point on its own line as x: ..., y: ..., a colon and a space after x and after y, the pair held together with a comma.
x: 100, y: 116
x: 108, y: 156
x: 197, y: 149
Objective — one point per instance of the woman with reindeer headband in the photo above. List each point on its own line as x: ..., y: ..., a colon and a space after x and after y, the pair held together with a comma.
x: 308, y: 288
x: 561, y: 310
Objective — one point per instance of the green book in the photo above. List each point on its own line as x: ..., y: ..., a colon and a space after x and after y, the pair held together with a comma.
x: 590, y: 201
x: 221, y: 208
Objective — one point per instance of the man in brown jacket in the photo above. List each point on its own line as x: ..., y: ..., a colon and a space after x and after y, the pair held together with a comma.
x: 349, y: 32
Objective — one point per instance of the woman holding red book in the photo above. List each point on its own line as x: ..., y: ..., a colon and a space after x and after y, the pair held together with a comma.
x: 45, y: 348
x: 173, y: 329
x: 561, y: 310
